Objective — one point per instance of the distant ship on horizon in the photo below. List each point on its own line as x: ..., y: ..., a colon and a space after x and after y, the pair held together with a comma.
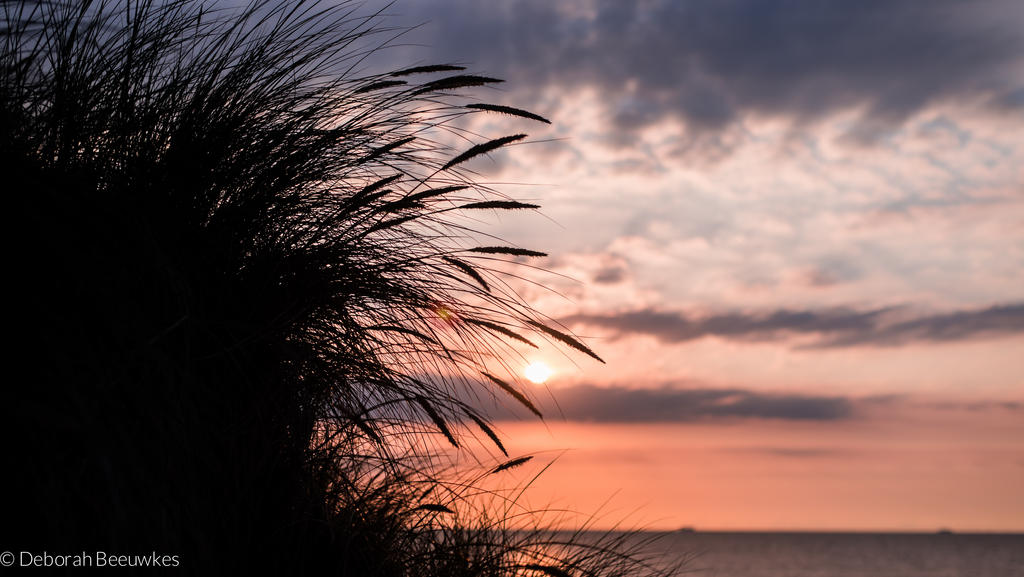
x: 686, y: 529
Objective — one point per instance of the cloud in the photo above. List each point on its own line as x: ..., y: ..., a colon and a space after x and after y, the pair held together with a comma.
x: 616, y: 404
x: 798, y: 452
x: 611, y: 274
x: 709, y: 63
x: 883, y: 327
x: 691, y: 402
x: 977, y: 406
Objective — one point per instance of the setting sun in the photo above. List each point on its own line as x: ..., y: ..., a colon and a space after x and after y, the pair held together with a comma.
x: 537, y: 372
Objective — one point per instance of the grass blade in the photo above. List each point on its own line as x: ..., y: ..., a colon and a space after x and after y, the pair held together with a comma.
x: 565, y: 338
x: 378, y: 86
x: 469, y: 270
x: 500, y: 205
x: 436, y: 192
x: 483, y: 148
x: 434, y: 507
x: 500, y: 329
x: 441, y: 424
x: 507, y: 250
x: 427, y: 69
x: 455, y: 82
x: 381, y: 151
x: 489, y: 432
x: 515, y: 394
x: 512, y: 464
x: 547, y: 570
x: 509, y: 110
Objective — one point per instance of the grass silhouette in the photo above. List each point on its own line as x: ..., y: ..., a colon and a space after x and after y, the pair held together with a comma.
x: 242, y: 308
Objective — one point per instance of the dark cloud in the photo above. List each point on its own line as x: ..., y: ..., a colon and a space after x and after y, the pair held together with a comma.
x: 666, y: 405
x: 832, y: 271
x: 610, y: 274
x: 834, y: 328
x: 798, y: 452
x: 708, y: 62
x: 977, y: 406
x: 689, y: 402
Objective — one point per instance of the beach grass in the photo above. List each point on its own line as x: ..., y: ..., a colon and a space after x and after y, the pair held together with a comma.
x: 243, y: 314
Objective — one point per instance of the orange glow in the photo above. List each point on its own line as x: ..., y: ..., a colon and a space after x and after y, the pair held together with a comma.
x: 446, y: 315
x: 938, y: 468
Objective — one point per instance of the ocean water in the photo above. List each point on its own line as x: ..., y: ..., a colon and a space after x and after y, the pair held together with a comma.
x: 844, y: 554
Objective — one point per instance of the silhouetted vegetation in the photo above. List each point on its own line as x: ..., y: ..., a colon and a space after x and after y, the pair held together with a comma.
x: 244, y: 312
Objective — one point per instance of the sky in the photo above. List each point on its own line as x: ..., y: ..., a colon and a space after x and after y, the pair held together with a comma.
x: 795, y: 232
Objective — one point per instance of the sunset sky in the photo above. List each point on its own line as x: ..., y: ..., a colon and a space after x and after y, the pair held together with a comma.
x: 795, y: 232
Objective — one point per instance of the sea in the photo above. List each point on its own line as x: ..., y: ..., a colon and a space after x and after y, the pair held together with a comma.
x: 720, y: 554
